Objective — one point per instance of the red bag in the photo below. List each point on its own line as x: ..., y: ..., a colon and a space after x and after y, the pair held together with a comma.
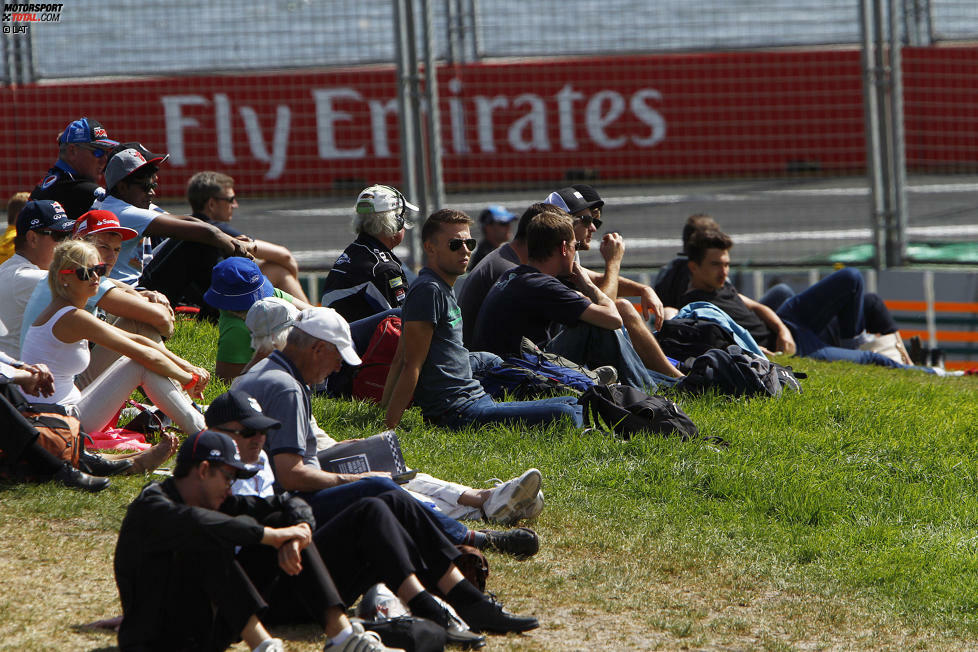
x: 372, y: 374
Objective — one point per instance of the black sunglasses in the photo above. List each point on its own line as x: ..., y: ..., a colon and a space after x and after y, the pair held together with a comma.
x: 247, y: 433
x: 57, y: 236
x: 588, y: 220
x: 85, y: 273
x: 230, y: 200
x: 456, y: 243
x: 145, y: 184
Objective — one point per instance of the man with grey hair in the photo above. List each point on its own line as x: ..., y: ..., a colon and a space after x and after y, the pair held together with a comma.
x: 368, y: 278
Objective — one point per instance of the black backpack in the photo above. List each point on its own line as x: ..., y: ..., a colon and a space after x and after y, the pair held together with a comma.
x: 681, y: 338
x: 737, y: 373
x: 627, y: 411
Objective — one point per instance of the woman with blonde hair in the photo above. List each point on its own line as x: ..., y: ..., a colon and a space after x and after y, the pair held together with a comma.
x: 60, y: 337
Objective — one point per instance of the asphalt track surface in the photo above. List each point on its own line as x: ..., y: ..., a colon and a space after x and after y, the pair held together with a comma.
x: 771, y: 221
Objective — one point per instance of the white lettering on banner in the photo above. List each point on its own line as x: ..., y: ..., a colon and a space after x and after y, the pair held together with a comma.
x: 327, y: 117
x: 484, y: 107
x: 565, y: 116
x: 535, y: 120
x: 222, y: 119
x: 596, y: 118
x: 378, y: 124
x: 649, y: 116
x: 175, y: 123
x: 280, y: 139
x: 457, y: 112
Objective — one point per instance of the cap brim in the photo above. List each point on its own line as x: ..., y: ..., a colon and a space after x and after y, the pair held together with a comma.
x: 124, y: 231
x: 350, y: 356
x: 243, y: 471
x: 261, y: 422
x: 106, y: 142
x: 408, y: 204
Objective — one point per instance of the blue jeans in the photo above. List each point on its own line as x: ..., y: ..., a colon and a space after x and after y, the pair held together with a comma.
x: 529, y: 413
x: 594, y: 347
x: 327, y: 503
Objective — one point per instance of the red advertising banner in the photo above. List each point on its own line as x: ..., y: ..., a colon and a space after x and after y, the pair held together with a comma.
x: 531, y: 121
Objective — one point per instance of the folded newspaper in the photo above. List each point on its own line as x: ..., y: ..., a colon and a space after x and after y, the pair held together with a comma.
x: 381, y: 452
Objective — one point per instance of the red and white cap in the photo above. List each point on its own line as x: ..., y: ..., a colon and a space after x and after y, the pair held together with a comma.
x: 98, y: 221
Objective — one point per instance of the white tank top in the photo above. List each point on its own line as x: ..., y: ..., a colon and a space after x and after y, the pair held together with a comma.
x: 64, y: 360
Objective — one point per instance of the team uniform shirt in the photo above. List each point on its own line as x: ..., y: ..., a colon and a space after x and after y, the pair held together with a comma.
x: 366, y: 260
x: 525, y: 302
x: 445, y: 382
x: 41, y: 299
x: 728, y: 300
x: 63, y: 185
x: 234, y: 338
x: 129, y: 267
x: 477, y: 284
x: 18, y: 278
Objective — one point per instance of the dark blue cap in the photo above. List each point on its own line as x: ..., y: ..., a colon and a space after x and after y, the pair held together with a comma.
x: 213, y: 446
x: 43, y: 214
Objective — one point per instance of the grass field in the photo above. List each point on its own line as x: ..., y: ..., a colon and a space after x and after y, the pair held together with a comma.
x: 843, y: 517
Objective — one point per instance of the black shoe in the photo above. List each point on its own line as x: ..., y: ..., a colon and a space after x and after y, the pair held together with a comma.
x: 489, y: 616
x: 521, y: 542
x: 69, y: 476
x: 464, y: 638
x: 101, y: 467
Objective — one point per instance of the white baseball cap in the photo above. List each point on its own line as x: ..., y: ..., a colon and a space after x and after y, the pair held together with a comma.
x: 328, y: 325
x: 377, y: 199
x: 270, y: 315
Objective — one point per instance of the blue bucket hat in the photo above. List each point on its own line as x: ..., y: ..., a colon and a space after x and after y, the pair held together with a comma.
x: 237, y: 283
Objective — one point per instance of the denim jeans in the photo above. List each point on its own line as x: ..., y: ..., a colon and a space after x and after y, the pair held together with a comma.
x: 529, y: 413
x: 594, y: 347
x: 327, y: 503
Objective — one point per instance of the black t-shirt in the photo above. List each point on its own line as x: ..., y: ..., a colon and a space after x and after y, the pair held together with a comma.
x: 223, y: 226
x: 525, y: 302
x: 480, y: 252
x: 366, y: 260
x: 728, y: 300
x: 673, y: 281
x: 75, y: 194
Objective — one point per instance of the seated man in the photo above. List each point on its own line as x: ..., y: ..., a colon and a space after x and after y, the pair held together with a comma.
x: 795, y: 326
x: 529, y: 301
x: 213, y: 200
x: 180, y: 583
x: 318, y: 341
x: 497, y: 229
x: 373, y: 540
x: 672, y: 282
x: 431, y: 366
x: 41, y: 225
x: 16, y: 202
x: 368, y: 278
x: 131, y: 179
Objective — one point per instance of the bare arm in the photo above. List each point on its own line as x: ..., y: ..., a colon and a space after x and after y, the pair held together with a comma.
x: 293, y: 475
x: 130, y: 305
x: 190, y: 228
x: 785, y: 342
x: 626, y: 287
x: 602, y: 311
x: 413, y: 349
x: 273, y: 253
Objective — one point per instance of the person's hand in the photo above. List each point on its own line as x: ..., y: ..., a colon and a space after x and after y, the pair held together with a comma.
x: 652, y: 306
x: 155, y: 297
x: 239, y: 248
x: 612, y: 247
x: 786, y: 343
x: 203, y: 377
x: 578, y: 276
x: 276, y: 537
x: 36, y: 380
x: 290, y: 557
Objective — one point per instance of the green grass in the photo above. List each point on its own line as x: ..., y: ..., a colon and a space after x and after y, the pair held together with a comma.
x: 846, y: 509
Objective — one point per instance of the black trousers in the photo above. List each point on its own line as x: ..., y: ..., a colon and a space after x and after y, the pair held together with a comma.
x: 182, y: 271
x: 18, y: 438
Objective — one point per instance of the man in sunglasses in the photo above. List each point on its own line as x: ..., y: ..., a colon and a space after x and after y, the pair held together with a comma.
x: 41, y: 225
x: 83, y: 150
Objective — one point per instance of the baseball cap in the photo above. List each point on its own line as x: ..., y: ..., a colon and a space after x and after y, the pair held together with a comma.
x: 568, y: 199
x: 268, y: 316
x: 591, y: 195
x: 99, y: 221
x: 496, y: 213
x: 128, y: 158
x: 377, y: 199
x: 327, y: 324
x: 234, y: 405
x: 43, y: 214
x: 86, y: 130
x: 236, y: 283
x: 212, y: 446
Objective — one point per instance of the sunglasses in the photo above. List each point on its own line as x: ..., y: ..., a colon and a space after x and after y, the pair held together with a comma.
x: 247, y: 433
x: 456, y: 243
x: 588, y: 221
x: 230, y: 200
x: 85, y: 273
x: 145, y: 184
x: 96, y: 151
x: 57, y: 236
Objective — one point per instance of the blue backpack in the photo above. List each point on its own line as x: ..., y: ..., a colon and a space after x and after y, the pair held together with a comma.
x: 533, y: 376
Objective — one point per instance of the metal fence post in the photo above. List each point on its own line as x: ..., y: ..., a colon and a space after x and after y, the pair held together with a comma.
x: 874, y: 155
x: 898, y: 158
x: 433, y: 120
x: 407, y: 104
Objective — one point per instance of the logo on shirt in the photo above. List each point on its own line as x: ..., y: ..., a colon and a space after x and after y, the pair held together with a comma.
x: 254, y: 404
x: 49, y: 181
x: 382, y: 256
x: 394, y: 282
x: 342, y: 260
x: 454, y: 316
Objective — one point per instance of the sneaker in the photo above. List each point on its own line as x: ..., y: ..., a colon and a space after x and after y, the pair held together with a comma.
x: 361, y: 641
x: 489, y: 616
x: 607, y: 374
x: 533, y: 509
x: 521, y: 542
x: 509, y: 499
x: 271, y: 645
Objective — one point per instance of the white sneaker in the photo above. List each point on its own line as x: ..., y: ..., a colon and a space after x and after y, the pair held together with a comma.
x: 271, y: 645
x: 361, y: 641
x: 534, y: 508
x: 508, y: 500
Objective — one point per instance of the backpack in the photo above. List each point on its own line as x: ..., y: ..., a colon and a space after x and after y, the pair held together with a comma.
x: 681, y: 338
x: 737, y: 373
x: 628, y: 411
x: 57, y: 432
x: 371, y: 375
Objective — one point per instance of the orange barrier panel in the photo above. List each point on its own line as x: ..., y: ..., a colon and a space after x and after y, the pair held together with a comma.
x: 939, y: 306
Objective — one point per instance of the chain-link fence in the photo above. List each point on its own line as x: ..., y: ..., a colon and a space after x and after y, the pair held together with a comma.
x: 750, y: 110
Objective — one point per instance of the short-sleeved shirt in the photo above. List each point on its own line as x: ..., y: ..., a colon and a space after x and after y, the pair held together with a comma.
x: 525, y: 302
x: 673, y: 282
x: 277, y: 385
x: 7, y: 242
x: 477, y: 284
x: 728, y: 300
x: 18, y: 278
x: 41, y: 299
x: 129, y: 267
x: 366, y: 260
x: 445, y: 382
x: 63, y: 185
x: 234, y: 338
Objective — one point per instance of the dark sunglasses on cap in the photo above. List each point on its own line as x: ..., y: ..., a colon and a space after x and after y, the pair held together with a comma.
x: 588, y: 220
x: 247, y: 433
x: 57, y: 236
x: 456, y: 243
x: 85, y: 273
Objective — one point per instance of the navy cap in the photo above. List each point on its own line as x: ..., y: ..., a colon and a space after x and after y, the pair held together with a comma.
x: 235, y: 405
x: 86, y: 130
x: 236, y: 284
x: 212, y: 446
x: 569, y: 200
x: 43, y: 214
x: 496, y: 213
x: 590, y: 195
